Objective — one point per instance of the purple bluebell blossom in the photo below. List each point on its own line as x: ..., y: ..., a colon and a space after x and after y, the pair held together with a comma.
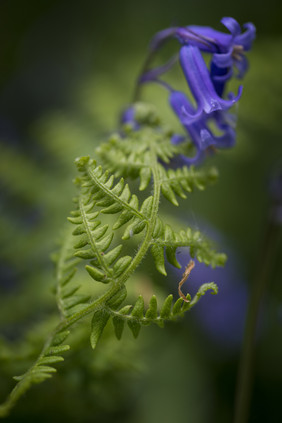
x: 200, y: 83
x: 201, y: 135
x: 230, y: 49
x: 207, y: 86
x: 128, y: 118
x: 183, y: 34
x: 227, y: 49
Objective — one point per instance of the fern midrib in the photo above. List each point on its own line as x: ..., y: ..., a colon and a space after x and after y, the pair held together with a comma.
x: 59, y: 273
x: 116, y: 198
x: 146, y: 320
x: 151, y: 221
x: 111, y: 158
x: 172, y: 243
x: 90, y: 237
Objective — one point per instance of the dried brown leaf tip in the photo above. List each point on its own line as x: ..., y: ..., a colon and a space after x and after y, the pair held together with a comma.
x: 185, y: 276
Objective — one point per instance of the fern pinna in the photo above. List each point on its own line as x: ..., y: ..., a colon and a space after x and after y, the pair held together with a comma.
x: 115, y: 223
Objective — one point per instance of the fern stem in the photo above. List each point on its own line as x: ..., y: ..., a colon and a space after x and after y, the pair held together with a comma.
x: 67, y: 323
x: 116, y: 198
x: 90, y: 237
x: 23, y: 385
x: 59, y: 273
x: 151, y: 222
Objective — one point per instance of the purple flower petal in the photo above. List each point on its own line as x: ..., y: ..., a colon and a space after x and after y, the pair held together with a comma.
x: 181, y: 160
x: 225, y: 76
x: 128, y: 117
x: 186, y: 35
x: 219, y: 77
x: 223, y: 60
x: 246, y: 39
x: 206, y: 139
x: 190, y: 115
x: 232, y: 25
x: 227, y: 140
x: 198, y: 78
x: 200, y: 134
x: 177, y: 139
x: 219, y: 40
x: 189, y: 161
x: 242, y: 66
x: 183, y: 108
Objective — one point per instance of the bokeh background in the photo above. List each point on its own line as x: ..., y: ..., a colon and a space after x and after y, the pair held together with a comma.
x: 67, y: 71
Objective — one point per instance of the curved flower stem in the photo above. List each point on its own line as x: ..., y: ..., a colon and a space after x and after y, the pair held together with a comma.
x: 246, y: 366
x: 137, y: 90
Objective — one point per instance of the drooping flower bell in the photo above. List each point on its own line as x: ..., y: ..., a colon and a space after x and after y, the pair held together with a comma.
x: 202, y: 137
x: 207, y: 83
x: 200, y: 83
x: 227, y: 49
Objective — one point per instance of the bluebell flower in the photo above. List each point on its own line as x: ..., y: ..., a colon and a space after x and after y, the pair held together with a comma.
x: 207, y: 85
x: 201, y: 136
x: 200, y: 83
x: 128, y: 118
x: 227, y: 49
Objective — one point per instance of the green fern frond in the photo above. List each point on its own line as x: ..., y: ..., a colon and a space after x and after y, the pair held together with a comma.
x: 211, y: 286
x: 184, y: 180
x: 107, y: 216
x: 98, y: 190
x: 167, y: 240
x: 130, y: 156
x: 68, y: 300
x: 122, y: 157
x: 102, y: 315
x: 101, y: 193
x: 41, y: 370
x: 135, y: 316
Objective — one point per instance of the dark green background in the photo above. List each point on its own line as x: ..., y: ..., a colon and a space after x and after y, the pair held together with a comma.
x: 66, y: 70
x: 48, y: 46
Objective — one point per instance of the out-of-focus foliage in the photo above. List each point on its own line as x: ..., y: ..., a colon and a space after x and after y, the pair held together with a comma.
x: 37, y: 191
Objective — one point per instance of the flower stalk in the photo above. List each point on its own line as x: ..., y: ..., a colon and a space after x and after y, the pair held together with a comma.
x: 261, y: 280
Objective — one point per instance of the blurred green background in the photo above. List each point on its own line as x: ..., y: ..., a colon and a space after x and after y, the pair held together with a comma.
x: 67, y: 71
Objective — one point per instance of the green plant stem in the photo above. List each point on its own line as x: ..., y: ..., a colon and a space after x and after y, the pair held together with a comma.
x: 58, y: 293
x: 137, y: 91
x: 23, y: 385
x: 152, y: 221
x: 245, y: 374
